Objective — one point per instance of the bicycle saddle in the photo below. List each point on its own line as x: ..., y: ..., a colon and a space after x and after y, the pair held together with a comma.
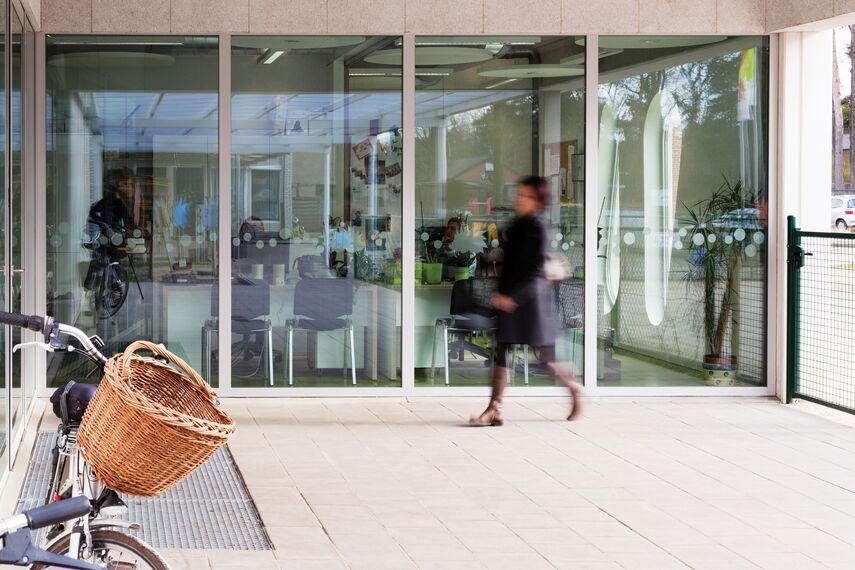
x: 74, y: 398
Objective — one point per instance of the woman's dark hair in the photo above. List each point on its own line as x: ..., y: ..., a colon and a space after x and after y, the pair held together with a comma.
x: 541, y: 188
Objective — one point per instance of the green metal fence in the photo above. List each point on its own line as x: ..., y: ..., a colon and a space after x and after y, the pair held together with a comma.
x: 821, y: 317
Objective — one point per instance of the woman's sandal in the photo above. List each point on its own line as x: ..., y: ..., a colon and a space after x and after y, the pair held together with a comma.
x: 492, y: 416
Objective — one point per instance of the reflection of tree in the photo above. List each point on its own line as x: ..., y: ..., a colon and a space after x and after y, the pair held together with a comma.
x: 705, y: 93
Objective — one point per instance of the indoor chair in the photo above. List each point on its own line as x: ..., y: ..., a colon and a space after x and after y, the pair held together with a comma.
x: 471, y: 314
x: 250, y: 312
x: 323, y: 305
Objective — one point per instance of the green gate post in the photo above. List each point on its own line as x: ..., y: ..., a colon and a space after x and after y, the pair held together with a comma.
x: 795, y: 260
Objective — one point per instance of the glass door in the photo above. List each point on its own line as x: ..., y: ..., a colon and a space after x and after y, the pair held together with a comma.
x: 5, y: 422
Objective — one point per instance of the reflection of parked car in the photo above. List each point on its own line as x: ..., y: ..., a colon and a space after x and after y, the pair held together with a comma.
x: 842, y: 212
x: 745, y: 218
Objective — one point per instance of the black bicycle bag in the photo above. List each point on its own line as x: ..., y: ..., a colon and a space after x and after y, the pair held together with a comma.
x: 70, y: 400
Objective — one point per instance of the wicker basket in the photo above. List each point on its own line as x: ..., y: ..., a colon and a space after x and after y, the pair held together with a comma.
x: 149, y: 425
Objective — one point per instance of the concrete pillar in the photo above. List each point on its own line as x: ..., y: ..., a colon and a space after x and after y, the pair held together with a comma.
x: 805, y: 127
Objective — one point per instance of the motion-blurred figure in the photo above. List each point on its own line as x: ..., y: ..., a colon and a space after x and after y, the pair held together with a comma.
x: 526, y: 310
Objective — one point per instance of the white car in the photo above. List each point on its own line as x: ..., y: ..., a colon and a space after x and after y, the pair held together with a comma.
x: 843, y: 212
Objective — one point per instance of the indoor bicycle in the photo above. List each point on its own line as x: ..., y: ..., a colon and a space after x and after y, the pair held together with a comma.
x: 91, y: 537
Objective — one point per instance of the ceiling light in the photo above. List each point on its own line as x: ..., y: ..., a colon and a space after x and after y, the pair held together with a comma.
x: 476, y: 41
x: 647, y: 42
x: 432, y: 55
x: 396, y: 72
x: 500, y: 83
x: 534, y: 71
x: 271, y: 57
x: 112, y: 43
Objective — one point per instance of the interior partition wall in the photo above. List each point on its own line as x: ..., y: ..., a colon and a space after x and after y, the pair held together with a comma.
x: 348, y: 182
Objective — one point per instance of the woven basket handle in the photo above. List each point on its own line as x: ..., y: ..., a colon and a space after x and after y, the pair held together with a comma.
x: 161, y: 350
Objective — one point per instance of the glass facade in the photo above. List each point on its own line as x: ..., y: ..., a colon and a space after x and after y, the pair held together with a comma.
x: 683, y: 187
x: 132, y: 126
x: 316, y: 211
x: 319, y: 261
x: 488, y: 112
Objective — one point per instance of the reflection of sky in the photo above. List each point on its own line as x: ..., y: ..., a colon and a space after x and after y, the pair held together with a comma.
x: 130, y: 120
x: 433, y: 105
x: 16, y: 125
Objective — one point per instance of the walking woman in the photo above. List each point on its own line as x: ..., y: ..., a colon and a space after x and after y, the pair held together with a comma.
x: 526, y: 309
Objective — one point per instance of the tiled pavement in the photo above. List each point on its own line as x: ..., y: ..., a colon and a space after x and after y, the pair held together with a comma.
x: 637, y: 483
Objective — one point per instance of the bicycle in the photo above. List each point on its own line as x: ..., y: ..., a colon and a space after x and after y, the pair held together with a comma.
x: 107, y: 278
x: 91, y: 535
x: 17, y: 548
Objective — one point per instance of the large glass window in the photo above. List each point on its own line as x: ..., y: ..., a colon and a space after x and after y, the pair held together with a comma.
x: 131, y: 190
x: 16, y: 182
x: 683, y: 216
x: 490, y: 110
x: 316, y: 211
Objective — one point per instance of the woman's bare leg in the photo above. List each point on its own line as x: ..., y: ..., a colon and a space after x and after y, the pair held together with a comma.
x: 566, y: 374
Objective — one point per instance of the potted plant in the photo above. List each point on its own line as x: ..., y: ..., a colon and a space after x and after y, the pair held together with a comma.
x: 718, y: 235
x: 463, y: 251
x: 459, y: 263
x: 431, y: 266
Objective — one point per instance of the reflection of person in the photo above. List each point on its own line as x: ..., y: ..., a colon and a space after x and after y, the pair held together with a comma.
x: 452, y: 228
x: 527, y: 312
x: 111, y: 211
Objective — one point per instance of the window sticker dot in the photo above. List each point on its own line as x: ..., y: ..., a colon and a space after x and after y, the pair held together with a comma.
x: 259, y: 244
x: 739, y: 234
x: 751, y: 250
x: 759, y: 238
x: 236, y: 242
x: 698, y: 239
x: 629, y: 238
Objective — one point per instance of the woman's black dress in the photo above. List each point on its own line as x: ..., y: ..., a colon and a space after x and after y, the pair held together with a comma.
x: 535, y: 321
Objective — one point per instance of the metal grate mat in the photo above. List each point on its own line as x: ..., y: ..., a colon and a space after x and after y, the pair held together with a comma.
x: 211, y: 509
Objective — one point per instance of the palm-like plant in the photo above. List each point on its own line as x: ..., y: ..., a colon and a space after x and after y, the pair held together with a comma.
x: 721, y: 222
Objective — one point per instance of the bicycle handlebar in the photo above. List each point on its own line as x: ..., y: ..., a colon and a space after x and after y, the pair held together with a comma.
x: 32, y: 322
x: 50, y: 329
x: 16, y: 546
x: 58, y: 512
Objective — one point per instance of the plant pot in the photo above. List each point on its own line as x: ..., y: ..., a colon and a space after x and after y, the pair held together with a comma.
x: 720, y: 370
x: 432, y: 273
x: 418, y: 272
x: 460, y: 273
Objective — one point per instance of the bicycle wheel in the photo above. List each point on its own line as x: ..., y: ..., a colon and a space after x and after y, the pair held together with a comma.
x: 115, y: 551
x: 112, y: 292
